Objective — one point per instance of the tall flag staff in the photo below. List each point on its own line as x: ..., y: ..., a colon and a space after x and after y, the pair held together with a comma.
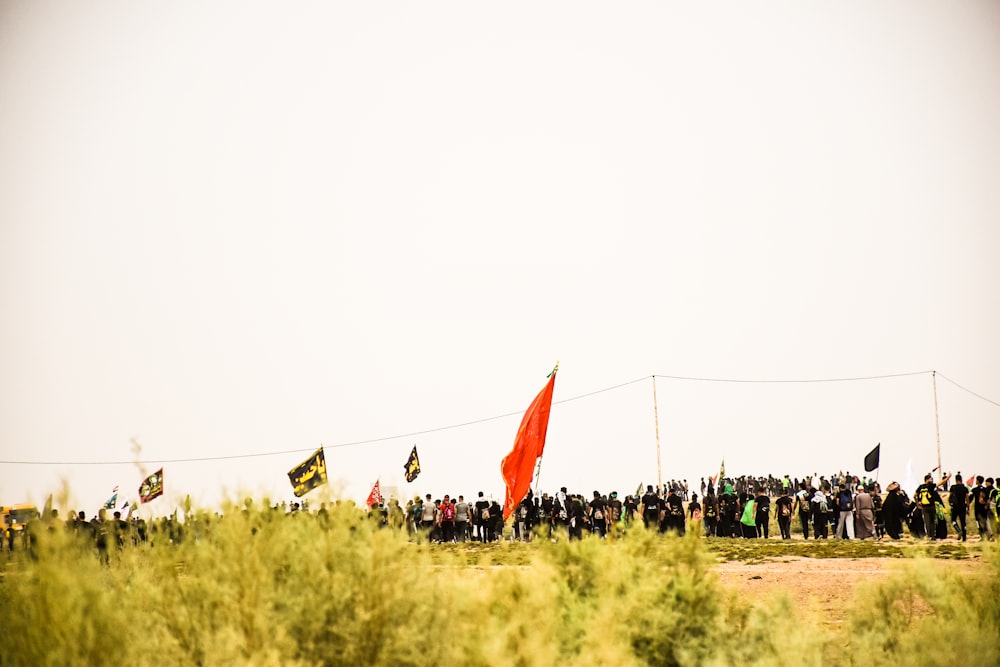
x: 656, y: 423
x: 529, y: 444
x: 937, y: 428
x: 538, y: 466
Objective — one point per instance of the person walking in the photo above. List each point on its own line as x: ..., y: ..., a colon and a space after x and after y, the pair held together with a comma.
x: 927, y: 498
x: 803, y: 507
x: 845, y: 521
x: 783, y: 511
x: 864, y: 508
x: 958, y: 500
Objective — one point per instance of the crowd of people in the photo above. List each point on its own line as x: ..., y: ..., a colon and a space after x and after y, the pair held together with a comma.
x: 841, y: 506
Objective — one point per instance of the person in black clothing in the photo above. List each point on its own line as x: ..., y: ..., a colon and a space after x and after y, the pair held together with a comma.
x: 495, y: 523
x: 615, y: 509
x: 981, y: 508
x: 802, y: 500
x: 893, y: 510
x: 927, y: 497
x: 711, y: 513
x: 545, y: 509
x: 481, y: 517
x: 783, y: 511
x: 763, y: 510
x: 631, y: 508
x: 729, y: 513
x: 958, y: 500
x: 599, y: 515
x: 650, y: 508
x: 673, y: 517
x: 576, y: 516
x: 694, y: 510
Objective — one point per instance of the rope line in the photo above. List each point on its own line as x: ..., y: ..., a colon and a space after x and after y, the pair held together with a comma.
x: 980, y: 396
x: 502, y: 416
x: 796, y: 381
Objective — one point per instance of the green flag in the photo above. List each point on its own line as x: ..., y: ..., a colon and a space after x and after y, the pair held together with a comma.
x: 748, y: 514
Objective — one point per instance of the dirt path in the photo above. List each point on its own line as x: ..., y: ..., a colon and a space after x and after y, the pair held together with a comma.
x: 825, y: 585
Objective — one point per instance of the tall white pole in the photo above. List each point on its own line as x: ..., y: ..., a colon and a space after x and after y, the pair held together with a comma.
x: 656, y: 422
x: 937, y: 427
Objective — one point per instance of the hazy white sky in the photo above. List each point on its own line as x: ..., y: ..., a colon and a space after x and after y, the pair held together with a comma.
x: 240, y: 228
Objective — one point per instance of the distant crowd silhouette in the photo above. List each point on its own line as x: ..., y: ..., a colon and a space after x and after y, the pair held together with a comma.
x: 818, y: 507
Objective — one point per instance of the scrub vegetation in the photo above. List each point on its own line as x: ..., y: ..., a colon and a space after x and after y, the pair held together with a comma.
x: 258, y: 587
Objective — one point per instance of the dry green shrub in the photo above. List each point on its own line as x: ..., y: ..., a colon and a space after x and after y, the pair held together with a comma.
x: 258, y: 587
x: 925, y: 615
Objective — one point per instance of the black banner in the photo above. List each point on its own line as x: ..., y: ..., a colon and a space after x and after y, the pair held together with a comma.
x: 871, y: 460
x: 412, y: 467
x: 309, y: 474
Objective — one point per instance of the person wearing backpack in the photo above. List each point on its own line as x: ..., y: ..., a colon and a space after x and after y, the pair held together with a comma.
x: 711, y: 512
x: 845, y: 519
x: 981, y: 497
x: 481, y: 518
x: 802, y: 498
x: 820, y: 507
x: 598, y: 510
x: 651, y: 505
x: 783, y: 511
x: 462, y: 512
x: 447, y: 519
x: 927, y: 497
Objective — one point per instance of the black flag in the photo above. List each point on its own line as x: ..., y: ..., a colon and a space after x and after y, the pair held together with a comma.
x: 871, y: 460
x: 412, y: 467
x: 309, y: 474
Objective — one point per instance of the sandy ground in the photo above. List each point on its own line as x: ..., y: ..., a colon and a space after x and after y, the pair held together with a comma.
x: 824, y: 585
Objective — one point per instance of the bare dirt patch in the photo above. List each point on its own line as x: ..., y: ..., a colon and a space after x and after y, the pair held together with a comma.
x: 824, y: 585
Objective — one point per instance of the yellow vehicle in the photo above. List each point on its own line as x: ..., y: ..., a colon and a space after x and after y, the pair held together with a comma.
x: 15, y: 518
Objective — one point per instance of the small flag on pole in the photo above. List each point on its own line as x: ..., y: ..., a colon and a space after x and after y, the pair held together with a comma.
x: 412, y: 467
x: 309, y: 474
x: 375, y: 497
x: 151, y: 487
x: 110, y: 503
x: 722, y: 472
x: 871, y: 459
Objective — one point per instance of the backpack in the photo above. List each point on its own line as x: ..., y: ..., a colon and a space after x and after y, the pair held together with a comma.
x: 982, y: 497
x: 448, y: 512
x: 486, y: 514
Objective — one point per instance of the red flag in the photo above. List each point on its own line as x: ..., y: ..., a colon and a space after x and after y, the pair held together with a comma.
x: 518, y: 467
x: 375, y: 497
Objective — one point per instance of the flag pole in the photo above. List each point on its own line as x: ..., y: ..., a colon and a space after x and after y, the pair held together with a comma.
x: 656, y: 424
x: 538, y: 465
x: 937, y: 427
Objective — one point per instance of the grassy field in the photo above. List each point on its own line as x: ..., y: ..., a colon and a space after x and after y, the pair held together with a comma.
x: 260, y: 588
